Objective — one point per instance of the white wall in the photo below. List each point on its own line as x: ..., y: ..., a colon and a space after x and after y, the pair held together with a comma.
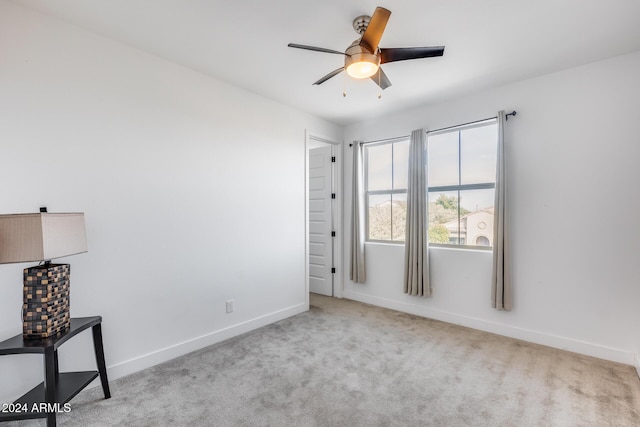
x: 573, y: 153
x: 193, y: 192
x: 637, y: 358
x: 637, y: 362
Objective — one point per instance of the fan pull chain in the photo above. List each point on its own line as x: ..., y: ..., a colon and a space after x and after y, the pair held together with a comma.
x: 379, y: 87
x: 344, y: 85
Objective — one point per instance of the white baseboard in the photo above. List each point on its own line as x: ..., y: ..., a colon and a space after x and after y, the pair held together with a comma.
x: 550, y: 340
x: 151, y: 359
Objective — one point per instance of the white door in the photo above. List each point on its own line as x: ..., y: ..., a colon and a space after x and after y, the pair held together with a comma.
x: 320, y: 221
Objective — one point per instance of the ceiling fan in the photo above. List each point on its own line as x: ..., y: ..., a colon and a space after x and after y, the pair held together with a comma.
x: 363, y: 58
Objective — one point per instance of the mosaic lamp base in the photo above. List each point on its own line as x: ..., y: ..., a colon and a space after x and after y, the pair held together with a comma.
x: 45, y: 310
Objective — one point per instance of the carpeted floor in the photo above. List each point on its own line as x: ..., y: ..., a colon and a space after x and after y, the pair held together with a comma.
x: 345, y: 363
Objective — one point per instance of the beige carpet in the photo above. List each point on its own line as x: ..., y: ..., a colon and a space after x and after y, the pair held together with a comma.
x: 349, y: 364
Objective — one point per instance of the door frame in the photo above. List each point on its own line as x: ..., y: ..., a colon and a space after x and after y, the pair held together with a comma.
x: 336, y: 183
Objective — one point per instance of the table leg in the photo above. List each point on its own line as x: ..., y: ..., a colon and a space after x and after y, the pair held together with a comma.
x: 50, y: 383
x: 102, y: 368
x: 55, y: 362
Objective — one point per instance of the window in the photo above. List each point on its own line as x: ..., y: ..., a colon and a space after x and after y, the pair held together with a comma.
x: 386, y: 171
x: 462, y: 180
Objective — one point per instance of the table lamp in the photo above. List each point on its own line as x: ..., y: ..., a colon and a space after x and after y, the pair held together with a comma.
x: 42, y: 237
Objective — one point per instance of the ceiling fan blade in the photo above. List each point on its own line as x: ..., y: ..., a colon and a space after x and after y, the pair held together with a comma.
x: 328, y: 76
x: 381, y: 79
x: 317, y: 49
x: 404, y: 53
x: 373, y: 33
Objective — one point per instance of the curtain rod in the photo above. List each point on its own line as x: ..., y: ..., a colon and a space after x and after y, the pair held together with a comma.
x: 506, y: 117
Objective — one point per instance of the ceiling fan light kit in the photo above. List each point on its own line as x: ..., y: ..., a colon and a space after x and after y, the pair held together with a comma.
x: 363, y: 57
x: 359, y: 63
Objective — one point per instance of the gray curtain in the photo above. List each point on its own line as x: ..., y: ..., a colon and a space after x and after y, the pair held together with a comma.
x: 357, y: 273
x: 501, y: 274
x: 416, y: 252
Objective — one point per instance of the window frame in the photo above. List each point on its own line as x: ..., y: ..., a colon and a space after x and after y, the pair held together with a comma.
x: 460, y: 187
x: 391, y: 192
x: 435, y: 189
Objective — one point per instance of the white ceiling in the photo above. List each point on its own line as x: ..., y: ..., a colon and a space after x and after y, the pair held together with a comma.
x: 244, y: 42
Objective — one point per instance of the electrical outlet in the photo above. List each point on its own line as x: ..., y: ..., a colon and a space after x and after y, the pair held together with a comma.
x: 230, y: 306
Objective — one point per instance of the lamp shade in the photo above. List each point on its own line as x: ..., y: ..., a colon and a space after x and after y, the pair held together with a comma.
x: 41, y: 236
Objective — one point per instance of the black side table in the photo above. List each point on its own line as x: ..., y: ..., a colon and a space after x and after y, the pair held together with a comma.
x: 58, y: 388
